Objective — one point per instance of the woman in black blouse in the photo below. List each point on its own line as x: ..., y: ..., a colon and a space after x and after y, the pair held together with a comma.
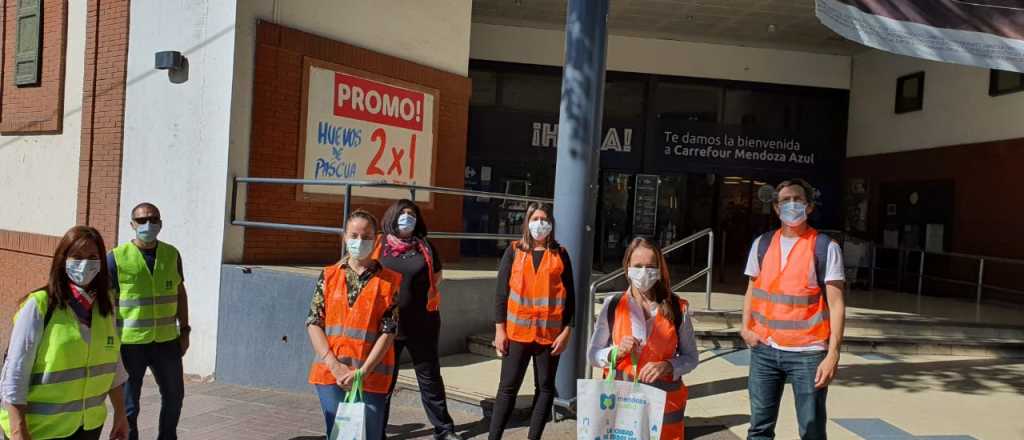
x: 404, y: 248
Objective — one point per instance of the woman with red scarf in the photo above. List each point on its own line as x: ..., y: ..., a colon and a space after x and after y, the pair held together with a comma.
x: 404, y: 248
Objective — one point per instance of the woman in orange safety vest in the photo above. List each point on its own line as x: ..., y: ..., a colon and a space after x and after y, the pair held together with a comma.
x: 352, y: 323
x: 652, y: 332
x: 533, y: 317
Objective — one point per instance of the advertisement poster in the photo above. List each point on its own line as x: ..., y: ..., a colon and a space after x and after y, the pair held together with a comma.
x: 365, y: 127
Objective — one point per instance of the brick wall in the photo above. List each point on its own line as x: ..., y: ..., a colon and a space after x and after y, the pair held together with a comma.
x: 40, y: 108
x: 106, y: 67
x: 25, y: 257
x: 276, y: 125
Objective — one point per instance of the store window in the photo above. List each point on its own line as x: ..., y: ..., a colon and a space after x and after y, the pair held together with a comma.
x: 1002, y: 82
x: 531, y: 92
x: 752, y: 108
x: 687, y: 102
x: 624, y: 98
x: 485, y: 88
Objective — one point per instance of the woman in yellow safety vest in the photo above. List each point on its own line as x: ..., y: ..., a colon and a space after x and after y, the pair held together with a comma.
x: 64, y: 357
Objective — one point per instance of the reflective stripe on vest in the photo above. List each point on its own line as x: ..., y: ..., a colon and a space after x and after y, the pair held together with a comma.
x: 803, y: 324
x: 789, y: 300
x: 352, y: 330
x: 787, y: 307
x: 538, y: 302
x: 70, y: 378
x: 351, y: 333
x: 52, y: 377
x: 536, y: 298
x: 148, y: 300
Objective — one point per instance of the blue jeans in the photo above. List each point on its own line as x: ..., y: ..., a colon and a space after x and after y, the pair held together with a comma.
x: 332, y: 395
x: 769, y: 370
x: 164, y: 360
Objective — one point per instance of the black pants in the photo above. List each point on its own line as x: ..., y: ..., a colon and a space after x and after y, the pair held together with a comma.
x: 82, y: 434
x: 427, y: 363
x: 164, y: 359
x: 513, y: 370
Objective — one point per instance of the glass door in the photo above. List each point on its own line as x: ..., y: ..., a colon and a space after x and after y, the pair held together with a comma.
x: 614, y: 213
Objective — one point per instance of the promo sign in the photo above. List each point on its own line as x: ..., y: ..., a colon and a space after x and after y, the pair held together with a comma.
x: 361, y: 126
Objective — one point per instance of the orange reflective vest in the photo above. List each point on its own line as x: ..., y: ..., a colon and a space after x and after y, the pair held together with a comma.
x: 661, y: 345
x: 352, y: 331
x: 785, y: 306
x: 536, y: 298
x: 433, y: 295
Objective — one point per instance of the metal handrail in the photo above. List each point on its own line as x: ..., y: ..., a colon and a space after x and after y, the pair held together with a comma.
x: 617, y: 273
x: 978, y: 284
x: 349, y: 184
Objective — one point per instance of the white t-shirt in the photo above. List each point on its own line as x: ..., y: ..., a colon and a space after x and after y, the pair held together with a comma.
x: 834, y: 271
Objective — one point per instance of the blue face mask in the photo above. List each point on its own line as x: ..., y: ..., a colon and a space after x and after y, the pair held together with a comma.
x: 147, y: 232
x: 358, y: 249
x: 406, y: 223
x: 793, y: 213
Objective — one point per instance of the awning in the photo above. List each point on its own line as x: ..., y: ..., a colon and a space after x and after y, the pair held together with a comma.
x: 982, y: 33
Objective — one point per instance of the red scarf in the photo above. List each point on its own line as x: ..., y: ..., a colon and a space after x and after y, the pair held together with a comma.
x: 84, y: 298
x: 396, y: 246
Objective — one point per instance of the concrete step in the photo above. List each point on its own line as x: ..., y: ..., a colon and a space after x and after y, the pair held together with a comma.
x: 896, y: 325
x: 921, y: 345
x: 482, y: 344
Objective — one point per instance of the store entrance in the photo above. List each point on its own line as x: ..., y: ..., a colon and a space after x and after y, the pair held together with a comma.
x: 669, y: 207
x: 664, y: 207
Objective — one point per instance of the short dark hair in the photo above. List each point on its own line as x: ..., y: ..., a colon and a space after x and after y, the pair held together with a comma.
x: 144, y: 205
x: 808, y: 189
x: 389, y: 223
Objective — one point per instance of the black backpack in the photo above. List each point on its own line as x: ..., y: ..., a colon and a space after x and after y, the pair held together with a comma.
x: 613, y: 304
x: 820, y: 253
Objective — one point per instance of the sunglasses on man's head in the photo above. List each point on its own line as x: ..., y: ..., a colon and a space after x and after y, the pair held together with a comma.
x: 144, y: 220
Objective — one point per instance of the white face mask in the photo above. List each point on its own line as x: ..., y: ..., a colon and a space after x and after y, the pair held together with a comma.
x: 406, y: 223
x: 82, y: 272
x: 539, y: 229
x: 793, y: 213
x: 358, y: 249
x: 643, y: 278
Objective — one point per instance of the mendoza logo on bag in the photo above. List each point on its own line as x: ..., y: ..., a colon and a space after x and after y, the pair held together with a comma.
x: 607, y: 401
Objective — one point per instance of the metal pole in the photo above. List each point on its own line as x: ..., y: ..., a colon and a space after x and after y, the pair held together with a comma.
x: 899, y: 271
x: 412, y: 194
x: 874, y: 264
x: 721, y: 263
x: 348, y: 204
x: 711, y: 263
x: 981, y: 280
x: 920, y: 274
x: 579, y: 142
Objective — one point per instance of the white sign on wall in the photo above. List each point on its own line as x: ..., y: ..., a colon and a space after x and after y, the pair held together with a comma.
x: 361, y: 126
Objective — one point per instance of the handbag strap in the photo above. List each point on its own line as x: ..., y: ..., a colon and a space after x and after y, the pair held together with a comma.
x: 355, y: 395
x: 615, y: 361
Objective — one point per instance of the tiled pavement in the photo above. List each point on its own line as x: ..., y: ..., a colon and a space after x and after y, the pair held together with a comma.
x: 222, y: 412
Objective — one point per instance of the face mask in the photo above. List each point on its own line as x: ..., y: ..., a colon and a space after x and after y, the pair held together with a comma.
x: 793, y: 213
x: 147, y: 233
x: 643, y: 278
x: 406, y: 223
x: 540, y: 229
x: 358, y: 249
x: 82, y: 272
